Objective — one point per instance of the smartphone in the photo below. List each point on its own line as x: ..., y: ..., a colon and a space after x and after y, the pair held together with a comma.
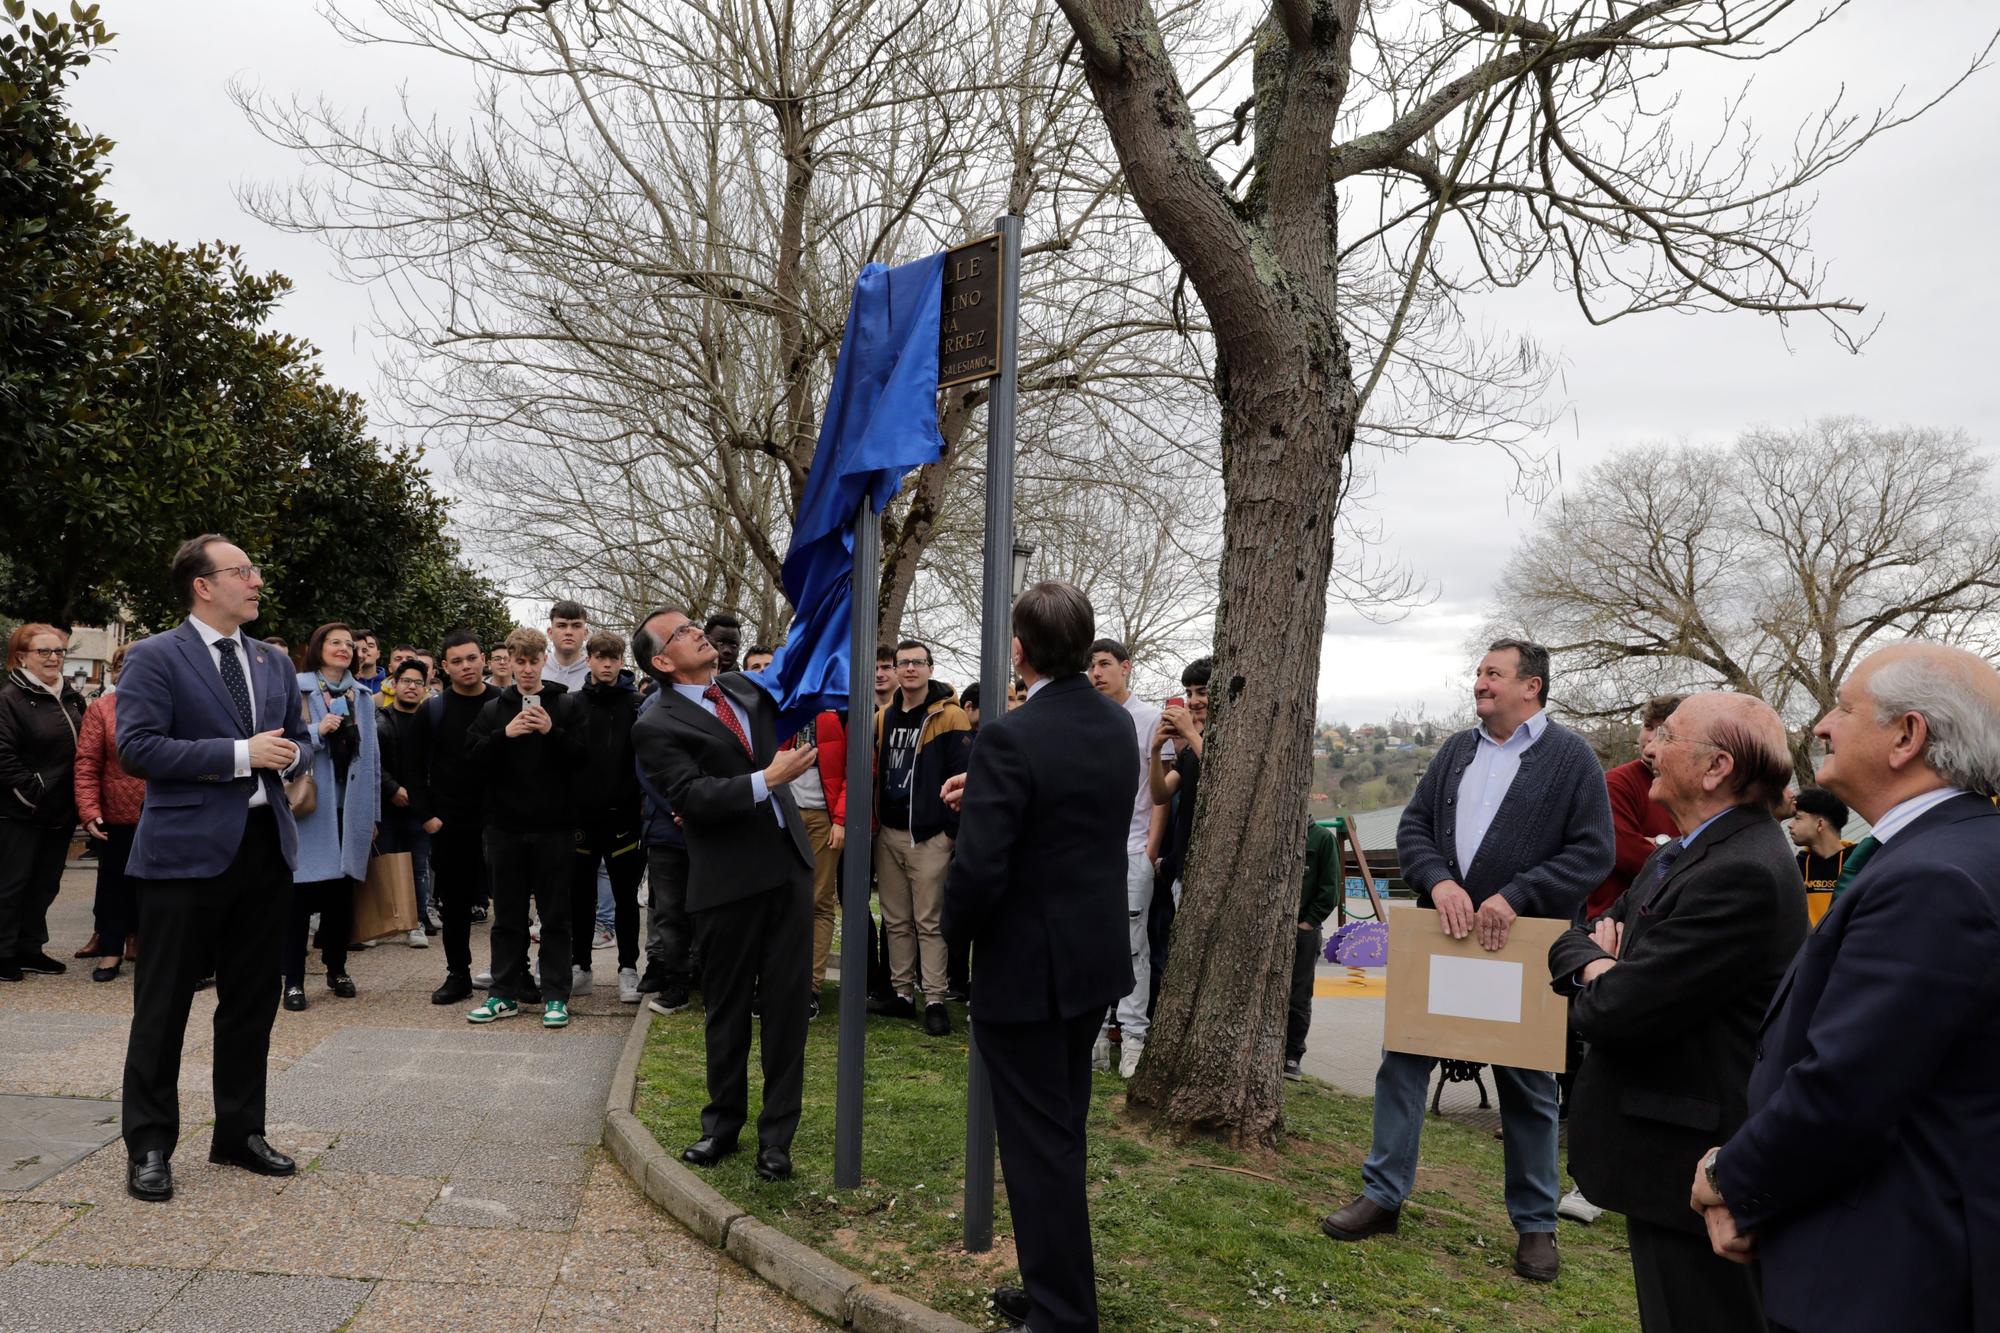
x: 531, y: 701
x: 1177, y: 702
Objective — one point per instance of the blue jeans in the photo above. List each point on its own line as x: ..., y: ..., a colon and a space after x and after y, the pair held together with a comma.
x: 607, y: 903
x: 420, y: 870
x: 1527, y: 1114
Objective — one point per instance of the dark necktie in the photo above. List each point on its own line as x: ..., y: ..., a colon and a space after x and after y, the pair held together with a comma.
x: 727, y: 716
x: 1663, y: 865
x: 1857, y: 856
x: 234, y: 681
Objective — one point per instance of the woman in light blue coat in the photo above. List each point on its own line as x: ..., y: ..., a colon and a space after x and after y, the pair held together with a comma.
x: 334, y: 840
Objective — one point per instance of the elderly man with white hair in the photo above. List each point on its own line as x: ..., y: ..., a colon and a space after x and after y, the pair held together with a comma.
x: 1866, y: 1180
x: 1668, y: 988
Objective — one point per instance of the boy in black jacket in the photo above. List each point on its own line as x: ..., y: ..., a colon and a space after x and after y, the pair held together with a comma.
x: 607, y: 808
x: 405, y: 800
x: 451, y: 812
x: 527, y: 746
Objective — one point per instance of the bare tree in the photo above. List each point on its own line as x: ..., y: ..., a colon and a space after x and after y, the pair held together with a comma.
x: 620, y: 294
x: 1534, y: 137
x: 1770, y: 566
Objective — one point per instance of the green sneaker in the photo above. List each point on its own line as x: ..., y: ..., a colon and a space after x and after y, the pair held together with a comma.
x: 493, y: 1010
x: 555, y: 1014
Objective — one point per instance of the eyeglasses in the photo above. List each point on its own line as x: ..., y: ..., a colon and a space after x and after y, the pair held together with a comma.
x: 687, y: 628
x: 55, y: 654
x: 244, y: 572
x: 905, y: 666
x: 1665, y: 737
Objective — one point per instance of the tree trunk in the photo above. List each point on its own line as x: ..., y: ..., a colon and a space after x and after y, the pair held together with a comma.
x: 1215, y: 1054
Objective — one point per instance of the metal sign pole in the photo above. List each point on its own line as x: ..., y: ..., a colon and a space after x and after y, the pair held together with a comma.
x: 996, y: 667
x: 857, y: 858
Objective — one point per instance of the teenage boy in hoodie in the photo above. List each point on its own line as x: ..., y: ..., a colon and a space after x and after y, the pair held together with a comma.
x: 452, y: 813
x: 922, y: 738
x: 607, y: 808
x: 528, y: 746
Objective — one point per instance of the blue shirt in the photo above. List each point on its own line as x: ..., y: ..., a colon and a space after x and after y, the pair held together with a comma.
x: 1687, y: 839
x: 696, y: 694
x: 1486, y: 780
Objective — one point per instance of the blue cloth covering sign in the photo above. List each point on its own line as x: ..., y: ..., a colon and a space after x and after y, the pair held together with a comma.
x: 881, y: 421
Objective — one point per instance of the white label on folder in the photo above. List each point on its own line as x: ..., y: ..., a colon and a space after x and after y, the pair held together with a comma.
x: 1476, y: 988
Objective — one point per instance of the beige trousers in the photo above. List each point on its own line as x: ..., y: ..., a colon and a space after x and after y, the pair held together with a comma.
x: 826, y: 888
x: 910, y: 882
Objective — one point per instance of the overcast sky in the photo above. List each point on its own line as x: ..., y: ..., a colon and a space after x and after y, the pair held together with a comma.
x: 1908, y: 227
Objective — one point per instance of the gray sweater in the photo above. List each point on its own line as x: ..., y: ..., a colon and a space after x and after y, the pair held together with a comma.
x: 1551, y: 840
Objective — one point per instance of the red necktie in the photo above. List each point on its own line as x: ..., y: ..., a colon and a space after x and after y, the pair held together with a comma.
x: 727, y: 716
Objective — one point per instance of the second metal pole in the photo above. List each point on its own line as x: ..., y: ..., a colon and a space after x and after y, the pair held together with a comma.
x: 996, y: 670
x: 856, y: 923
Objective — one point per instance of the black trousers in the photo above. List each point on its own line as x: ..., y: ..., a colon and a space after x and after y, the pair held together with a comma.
x: 623, y: 856
x: 1685, y: 1288
x: 669, y: 933
x: 1299, y: 1014
x: 31, y: 866
x: 958, y: 965
x: 1040, y: 1074
x: 333, y: 899
x: 458, y: 880
x: 1159, y: 933
x: 524, y: 864
x: 762, y: 946
x: 115, y: 908
x: 230, y: 925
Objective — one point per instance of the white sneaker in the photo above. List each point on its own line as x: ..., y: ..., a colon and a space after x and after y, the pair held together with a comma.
x: 603, y: 939
x: 1577, y: 1208
x: 579, y: 981
x: 1128, y: 1063
x: 419, y: 940
x: 484, y: 981
x: 628, y: 985
x: 1100, y: 1053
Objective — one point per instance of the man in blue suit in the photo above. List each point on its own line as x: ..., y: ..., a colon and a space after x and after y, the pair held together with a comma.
x: 210, y: 718
x: 1865, y: 1183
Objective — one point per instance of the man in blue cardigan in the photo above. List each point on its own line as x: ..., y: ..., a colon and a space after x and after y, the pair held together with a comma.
x: 1511, y: 819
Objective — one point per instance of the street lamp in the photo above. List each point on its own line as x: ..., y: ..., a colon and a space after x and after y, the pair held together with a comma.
x: 1023, y: 551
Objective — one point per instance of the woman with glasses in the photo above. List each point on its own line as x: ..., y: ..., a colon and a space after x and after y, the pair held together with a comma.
x: 334, y: 840
x: 40, y: 716
x: 108, y: 800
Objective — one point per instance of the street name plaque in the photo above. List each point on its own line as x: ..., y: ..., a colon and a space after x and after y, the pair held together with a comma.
x: 969, y: 326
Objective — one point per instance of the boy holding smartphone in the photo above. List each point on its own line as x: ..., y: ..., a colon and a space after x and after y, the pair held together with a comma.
x: 528, y: 747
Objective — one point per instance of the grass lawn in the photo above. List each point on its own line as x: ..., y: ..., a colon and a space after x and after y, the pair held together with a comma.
x: 1188, y: 1234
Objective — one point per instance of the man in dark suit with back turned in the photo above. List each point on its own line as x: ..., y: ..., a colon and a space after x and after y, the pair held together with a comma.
x: 1866, y: 1182
x: 211, y: 720
x: 1037, y: 886
x: 711, y: 745
x: 1667, y: 990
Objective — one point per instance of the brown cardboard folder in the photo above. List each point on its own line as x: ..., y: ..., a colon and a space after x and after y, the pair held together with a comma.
x: 1452, y: 999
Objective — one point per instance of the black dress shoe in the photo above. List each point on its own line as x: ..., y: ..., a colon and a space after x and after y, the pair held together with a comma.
x: 104, y: 973
x: 774, y: 1164
x: 41, y: 963
x: 340, y: 984
x: 457, y: 986
x: 1012, y: 1303
x: 706, y: 1151
x: 894, y: 1006
x: 150, y: 1177
x: 295, y: 998
x: 254, y: 1154
x: 9, y: 972
x: 937, y: 1020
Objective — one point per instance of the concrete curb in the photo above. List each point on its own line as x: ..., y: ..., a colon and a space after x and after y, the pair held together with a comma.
x: 798, y: 1270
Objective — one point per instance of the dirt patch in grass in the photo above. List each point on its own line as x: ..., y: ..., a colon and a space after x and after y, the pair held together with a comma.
x: 1188, y: 1233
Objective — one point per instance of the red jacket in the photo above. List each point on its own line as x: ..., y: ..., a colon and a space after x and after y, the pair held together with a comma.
x: 830, y: 735
x: 104, y: 790
x: 1636, y: 819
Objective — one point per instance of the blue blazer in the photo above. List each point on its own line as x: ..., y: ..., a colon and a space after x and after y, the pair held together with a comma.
x: 178, y: 730
x: 1869, y: 1168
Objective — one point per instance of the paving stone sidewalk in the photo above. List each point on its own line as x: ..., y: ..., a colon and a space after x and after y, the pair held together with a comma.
x: 450, y: 1175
